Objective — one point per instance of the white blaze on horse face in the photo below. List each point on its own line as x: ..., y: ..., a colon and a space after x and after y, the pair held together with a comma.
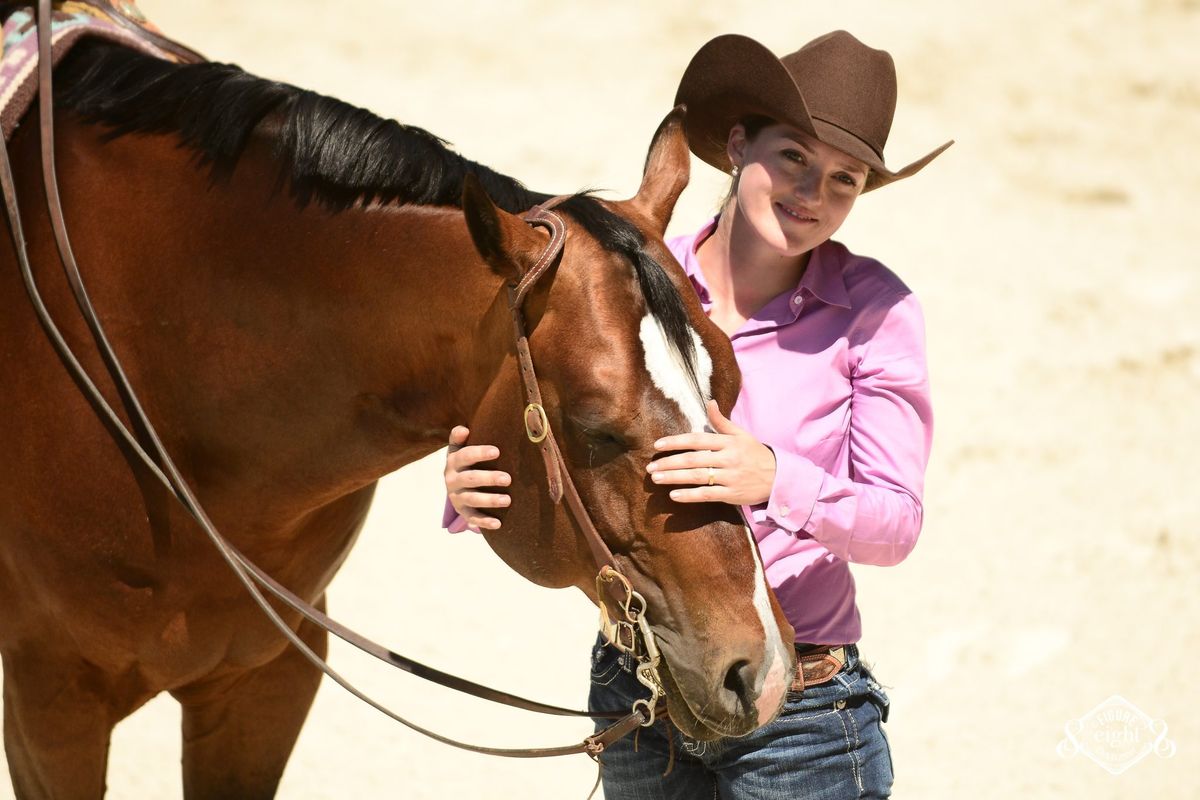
x: 670, y: 376
x: 773, y: 673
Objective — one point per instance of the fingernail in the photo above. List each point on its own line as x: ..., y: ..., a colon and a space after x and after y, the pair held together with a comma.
x: 493, y: 452
x: 505, y: 480
x: 675, y: 494
x: 505, y: 501
x: 656, y: 477
x: 658, y: 445
x: 652, y: 467
x: 494, y: 524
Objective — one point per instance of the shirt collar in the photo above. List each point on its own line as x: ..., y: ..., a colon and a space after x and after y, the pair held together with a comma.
x: 822, y: 279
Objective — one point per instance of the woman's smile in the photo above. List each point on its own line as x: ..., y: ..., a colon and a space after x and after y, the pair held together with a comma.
x: 796, y: 213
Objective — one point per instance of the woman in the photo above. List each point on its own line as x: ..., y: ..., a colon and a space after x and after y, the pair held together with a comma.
x: 826, y: 448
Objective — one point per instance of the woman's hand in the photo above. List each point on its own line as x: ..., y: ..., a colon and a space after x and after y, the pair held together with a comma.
x: 463, y: 480
x: 728, y: 466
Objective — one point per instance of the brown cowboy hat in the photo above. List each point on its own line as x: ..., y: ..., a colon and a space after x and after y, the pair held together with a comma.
x: 835, y: 88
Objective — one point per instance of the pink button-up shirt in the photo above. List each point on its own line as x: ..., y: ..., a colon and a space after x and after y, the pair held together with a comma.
x: 834, y: 381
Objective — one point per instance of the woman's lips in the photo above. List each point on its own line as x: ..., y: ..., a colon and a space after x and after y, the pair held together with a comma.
x: 798, y: 214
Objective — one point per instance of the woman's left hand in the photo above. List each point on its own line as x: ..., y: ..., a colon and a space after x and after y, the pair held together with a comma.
x: 728, y: 466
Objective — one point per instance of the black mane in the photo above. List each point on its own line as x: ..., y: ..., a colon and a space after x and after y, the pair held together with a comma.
x: 329, y: 152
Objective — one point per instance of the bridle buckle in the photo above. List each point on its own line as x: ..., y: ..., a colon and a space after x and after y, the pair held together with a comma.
x: 542, y: 420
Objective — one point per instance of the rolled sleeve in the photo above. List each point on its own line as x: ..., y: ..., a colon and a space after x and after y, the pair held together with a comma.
x: 794, y: 492
x: 875, y: 515
x: 871, y: 511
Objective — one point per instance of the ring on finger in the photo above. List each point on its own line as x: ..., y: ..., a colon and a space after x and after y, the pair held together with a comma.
x: 711, y: 474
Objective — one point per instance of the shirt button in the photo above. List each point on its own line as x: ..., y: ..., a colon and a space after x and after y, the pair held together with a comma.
x: 784, y: 510
x: 797, y: 300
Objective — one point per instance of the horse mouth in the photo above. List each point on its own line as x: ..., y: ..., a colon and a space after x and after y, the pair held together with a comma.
x: 695, y: 723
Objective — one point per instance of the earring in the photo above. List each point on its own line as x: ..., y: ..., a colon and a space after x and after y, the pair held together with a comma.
x: 734, y: 171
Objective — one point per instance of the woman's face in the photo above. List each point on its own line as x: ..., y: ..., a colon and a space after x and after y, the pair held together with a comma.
x: 792, y: 189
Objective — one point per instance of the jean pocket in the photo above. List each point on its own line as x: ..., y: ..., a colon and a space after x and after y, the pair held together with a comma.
x: 879, y: 698
x: 606, y: 664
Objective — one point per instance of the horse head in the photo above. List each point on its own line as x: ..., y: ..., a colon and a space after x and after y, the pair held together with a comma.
x: 625, y: 355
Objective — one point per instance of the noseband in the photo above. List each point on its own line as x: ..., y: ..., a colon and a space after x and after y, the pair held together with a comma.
x: 625, y: 632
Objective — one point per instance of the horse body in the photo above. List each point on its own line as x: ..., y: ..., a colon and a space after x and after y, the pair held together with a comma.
x: 289, y: 357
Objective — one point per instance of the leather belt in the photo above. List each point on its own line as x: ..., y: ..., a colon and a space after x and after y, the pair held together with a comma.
x: 818, y: 666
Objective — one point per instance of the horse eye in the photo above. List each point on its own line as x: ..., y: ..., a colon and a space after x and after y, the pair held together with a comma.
x: 594, y: 444
x: 604, y: 438
x: 598, y: 436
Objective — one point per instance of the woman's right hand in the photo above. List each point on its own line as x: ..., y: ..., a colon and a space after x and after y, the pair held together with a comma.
x: 463, y: 481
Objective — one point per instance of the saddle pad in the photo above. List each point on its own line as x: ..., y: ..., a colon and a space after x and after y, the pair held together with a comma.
x: 116, y: 20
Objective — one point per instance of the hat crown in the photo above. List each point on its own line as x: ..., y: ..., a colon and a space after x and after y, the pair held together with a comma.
x: 835, y: 89
x: 848, y: 85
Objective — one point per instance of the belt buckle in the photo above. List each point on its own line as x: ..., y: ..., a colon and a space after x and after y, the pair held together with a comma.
x: 831, y: 657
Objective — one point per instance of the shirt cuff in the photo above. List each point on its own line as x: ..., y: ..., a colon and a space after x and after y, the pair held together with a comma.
x: 451, y: 521
x: 794, y: 492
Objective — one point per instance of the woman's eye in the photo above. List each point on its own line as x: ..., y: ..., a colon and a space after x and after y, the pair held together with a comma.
x: 794, y: 155
x: 847, y: 179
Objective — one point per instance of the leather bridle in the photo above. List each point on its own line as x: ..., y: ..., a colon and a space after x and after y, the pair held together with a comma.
x: 624, y: 625
x: 628, y: 631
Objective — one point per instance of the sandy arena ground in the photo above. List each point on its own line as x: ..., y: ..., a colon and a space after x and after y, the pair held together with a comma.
x: 1054, y: 251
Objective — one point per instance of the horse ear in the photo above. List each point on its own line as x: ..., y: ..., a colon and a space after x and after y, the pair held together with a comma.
x: 504, y: 240
x: 666, y: 171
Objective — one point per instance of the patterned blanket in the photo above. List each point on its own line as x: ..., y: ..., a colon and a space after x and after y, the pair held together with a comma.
x: 116, y: 20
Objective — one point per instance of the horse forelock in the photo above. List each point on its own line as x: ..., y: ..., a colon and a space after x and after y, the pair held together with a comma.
x: 663, y: 302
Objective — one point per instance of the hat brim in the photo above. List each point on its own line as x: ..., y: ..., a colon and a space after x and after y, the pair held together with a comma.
x: 882, y: 176
x: 733, y: 77
x: 730, y: 78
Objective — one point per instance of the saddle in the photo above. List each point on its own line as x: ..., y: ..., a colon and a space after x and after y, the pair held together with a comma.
x: 117, y: 21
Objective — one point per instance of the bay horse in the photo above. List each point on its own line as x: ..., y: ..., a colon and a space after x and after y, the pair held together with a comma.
x: 306, y: 299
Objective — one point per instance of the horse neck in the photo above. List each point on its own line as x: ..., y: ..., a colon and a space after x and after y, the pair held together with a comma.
x: 409, y: 317
x: 298, y: 354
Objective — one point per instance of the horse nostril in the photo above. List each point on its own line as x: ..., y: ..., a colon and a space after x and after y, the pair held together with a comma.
x: 739, y: 679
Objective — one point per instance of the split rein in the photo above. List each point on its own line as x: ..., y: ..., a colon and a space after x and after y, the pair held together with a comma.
x: 624, y: 625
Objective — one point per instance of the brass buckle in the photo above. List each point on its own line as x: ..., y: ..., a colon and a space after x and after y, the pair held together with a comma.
x: 636, y: 629
x: 618, y: 628
x: 536, y: 438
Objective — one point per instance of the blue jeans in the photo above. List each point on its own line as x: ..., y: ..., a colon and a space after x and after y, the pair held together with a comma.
x: 827, y: 744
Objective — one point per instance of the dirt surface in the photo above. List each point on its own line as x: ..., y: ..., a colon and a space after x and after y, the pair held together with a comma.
x: 1054, y: 251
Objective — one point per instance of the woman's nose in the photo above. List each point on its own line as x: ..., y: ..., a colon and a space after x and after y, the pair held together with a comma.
x: 808, y: 186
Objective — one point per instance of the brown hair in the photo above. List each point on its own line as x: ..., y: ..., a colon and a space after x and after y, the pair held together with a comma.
x: 753, y: 125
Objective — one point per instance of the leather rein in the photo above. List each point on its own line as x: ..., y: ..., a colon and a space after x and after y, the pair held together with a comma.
x: 624, y: 625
